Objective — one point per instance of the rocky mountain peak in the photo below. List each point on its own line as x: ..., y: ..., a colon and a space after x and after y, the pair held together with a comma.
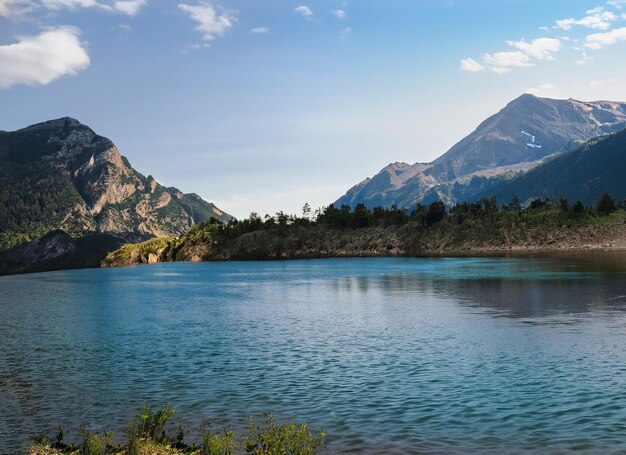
x: 100, y: 189
x: 522, y: 134
x: 63, y: 123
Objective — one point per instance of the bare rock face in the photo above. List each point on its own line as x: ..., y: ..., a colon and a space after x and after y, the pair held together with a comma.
x: 518, y: 138
x: 92, y: 187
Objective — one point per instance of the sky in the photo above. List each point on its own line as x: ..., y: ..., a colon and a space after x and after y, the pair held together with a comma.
x: 263, y: 105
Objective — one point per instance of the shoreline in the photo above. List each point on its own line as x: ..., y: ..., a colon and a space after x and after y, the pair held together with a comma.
x: 456, y: 254
x: 585, y: 252
x: 602, y: 238
x: 409, y: 240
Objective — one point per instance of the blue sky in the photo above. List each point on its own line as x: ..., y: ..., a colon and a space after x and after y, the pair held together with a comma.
x: 264, y: 105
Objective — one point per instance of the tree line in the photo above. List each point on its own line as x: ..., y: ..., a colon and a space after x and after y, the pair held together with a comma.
x: 424, y: 216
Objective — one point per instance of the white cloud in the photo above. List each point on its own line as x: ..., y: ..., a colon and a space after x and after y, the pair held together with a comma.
x: 339, y: 13
x: 540, y: 48
x: 600, y: 40
x: 304, y: 10
x: 40, y: 59
x: 210, y: 23
x: 260, y: 30
x: 345, y: 32
x: 596, y: 18
x: 522, y: 57
x: 129, y: 7
x: 471, y: 65
x: 73, y: 4
x: 504, y: 62
x: 617, y: 3
x: 14, y: 9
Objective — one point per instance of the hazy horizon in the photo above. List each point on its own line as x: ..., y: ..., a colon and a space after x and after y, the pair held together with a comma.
x: 262, y: 107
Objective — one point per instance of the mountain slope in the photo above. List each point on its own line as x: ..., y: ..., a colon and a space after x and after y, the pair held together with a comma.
x: 516, y: 139
x: 61, y: 175
x: 526, y: 130
x: 598, y: 166
x: 388, y: 186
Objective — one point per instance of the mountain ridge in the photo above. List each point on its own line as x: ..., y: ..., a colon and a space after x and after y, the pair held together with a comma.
x: 60, y: 174
x: 517, y: 138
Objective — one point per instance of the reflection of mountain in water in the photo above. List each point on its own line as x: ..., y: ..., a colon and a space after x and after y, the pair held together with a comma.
x: 528, y: 289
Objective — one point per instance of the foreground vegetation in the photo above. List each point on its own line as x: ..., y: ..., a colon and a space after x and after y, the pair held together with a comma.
x: 147, y: 435
x: 426, y: 230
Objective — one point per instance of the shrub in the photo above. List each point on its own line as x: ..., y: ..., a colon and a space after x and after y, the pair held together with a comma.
x: 180, y: 435
x: 286, y: 438
x: 43, y: 448
x: 94, y: 444
x: 60, y: 435
x: 150, y: 425
x: 216, y: 443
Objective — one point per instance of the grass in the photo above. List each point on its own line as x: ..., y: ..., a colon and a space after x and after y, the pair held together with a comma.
x: 147, y: 435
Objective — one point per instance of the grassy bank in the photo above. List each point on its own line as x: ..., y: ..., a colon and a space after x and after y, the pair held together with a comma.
x: 152, y: 433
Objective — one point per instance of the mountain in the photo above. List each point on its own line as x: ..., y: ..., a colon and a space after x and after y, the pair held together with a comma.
x: 518, y: 138
x: 597, y: 167
x: 61, y: 175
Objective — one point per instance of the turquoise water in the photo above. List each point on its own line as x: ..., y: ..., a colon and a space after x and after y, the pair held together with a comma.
x: 387, y: 355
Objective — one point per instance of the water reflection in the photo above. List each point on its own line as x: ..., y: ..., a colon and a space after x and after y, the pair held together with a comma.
x: 517, y: 288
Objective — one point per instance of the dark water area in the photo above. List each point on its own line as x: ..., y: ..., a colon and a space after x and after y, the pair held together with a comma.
x: 487, y: 355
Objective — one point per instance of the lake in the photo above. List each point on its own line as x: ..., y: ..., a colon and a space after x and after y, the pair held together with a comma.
x: 488, y: 355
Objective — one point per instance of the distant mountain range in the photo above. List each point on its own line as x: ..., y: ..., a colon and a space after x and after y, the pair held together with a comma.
x: 529, y: 133
x: 61, y: 175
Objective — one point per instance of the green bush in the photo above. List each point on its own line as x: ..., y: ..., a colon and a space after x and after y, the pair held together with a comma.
x: 150, y: 425
x: 94, y: 444
x: 286, y: 439
x: 215, y: 443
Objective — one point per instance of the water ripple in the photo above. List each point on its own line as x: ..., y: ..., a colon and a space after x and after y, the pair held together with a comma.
x: 387, y: 355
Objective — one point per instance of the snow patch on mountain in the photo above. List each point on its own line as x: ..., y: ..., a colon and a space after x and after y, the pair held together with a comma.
x: 532, y: 143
